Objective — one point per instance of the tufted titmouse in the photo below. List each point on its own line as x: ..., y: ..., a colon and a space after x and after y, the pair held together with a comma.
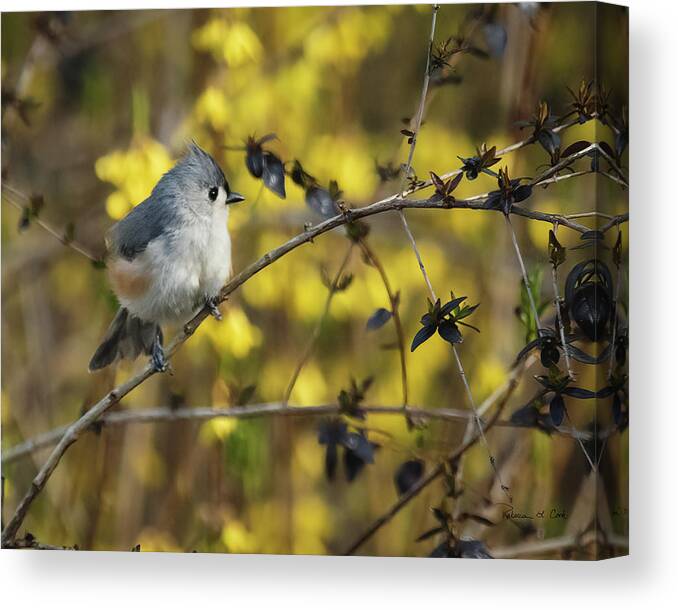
x: 168, y: 257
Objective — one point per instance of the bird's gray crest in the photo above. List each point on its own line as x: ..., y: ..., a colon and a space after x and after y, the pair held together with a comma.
x: 196, y: 168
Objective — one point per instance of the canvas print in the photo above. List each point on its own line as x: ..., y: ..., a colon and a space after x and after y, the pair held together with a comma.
x: 337, y: 280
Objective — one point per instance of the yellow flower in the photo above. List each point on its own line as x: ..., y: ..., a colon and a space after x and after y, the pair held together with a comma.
x: 234, y: 42
x: 214, y: 108
x: 134, y: 173
x: 235, y: 334
x: 237, y: 538
x: 218, y: 429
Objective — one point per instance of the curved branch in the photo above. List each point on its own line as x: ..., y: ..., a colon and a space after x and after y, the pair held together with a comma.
x: 29, y: 542
x: 563, y: 543
x: 413, y: 145
x: 615, y: 222
x: 60, y: 235
x: 71, y: 435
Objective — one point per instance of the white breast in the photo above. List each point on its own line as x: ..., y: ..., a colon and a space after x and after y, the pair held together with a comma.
x: 187, y: 267
x: 216, y: 265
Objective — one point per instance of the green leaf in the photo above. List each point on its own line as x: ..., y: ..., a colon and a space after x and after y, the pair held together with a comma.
x: 525, y: 314
x: 465, y: 312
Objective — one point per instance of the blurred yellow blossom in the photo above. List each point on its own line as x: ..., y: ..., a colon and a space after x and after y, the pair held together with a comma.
x: 213, y: 107
x: 151, y: 539
x: 237, y: 538
x: 235, y: 334
x: 151, y: 469
x: 311, y: 387
x: 134, y: 173
x: 217, y: 429
x: 311, y: 525
x: 232, y: 41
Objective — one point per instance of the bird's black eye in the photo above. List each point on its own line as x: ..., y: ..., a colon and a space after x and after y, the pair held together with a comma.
x: 213, y: 194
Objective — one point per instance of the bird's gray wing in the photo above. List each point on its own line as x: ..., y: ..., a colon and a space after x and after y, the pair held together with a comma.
x: 147, y: 221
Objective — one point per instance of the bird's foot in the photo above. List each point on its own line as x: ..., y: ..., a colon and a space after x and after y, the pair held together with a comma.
x: 158, y: 360
x: 212, y: 307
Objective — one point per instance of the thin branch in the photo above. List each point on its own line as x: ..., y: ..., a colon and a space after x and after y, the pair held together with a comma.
x: 60, y: 235
x: 615, y: 222
x: 413, y: 144
x: 481, y: 432
x: 423, y: 483
x: 29, y: 542
x: 274, y: 409
x: 593, y: 214
x: 468, y: 434
x: 559, y: 318
x: 564, y: 163
x: 602, y: 451
x: 417, y: 254
x: 562, y: 177
x: 621, y: 182
x: 523, y: 270
x: 563, y: 543
x: 395, y: 311
x: 424, y: 94
x: 310, y: 346
x: 594, y: 467
x: 613, y: 164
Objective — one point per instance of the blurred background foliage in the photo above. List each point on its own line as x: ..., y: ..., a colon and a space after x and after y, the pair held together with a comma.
x: 117, y: 95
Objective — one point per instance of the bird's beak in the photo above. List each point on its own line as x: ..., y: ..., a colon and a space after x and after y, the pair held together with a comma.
x: 234, y: 198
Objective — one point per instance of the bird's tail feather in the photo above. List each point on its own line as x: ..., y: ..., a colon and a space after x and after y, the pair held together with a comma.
x: 126, y: 337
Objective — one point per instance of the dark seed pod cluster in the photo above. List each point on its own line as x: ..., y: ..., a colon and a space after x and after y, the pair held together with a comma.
x: 324, y: 202
x: 587, y: 314
x: 587, y: 292
x: 265, y: 165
